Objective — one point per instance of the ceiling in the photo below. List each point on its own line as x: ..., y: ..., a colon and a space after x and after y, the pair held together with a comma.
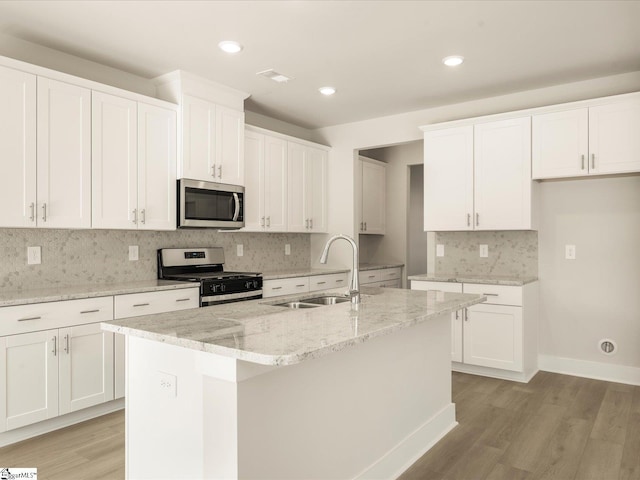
x: 383, y: 57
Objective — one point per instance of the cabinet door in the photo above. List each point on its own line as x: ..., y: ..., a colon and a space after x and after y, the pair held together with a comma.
x: 493, y: 337
x: 198, y: 139
x: 86, y: 367
x: 316, y: 186
x: 156, y: 168
x: 254, y: 146
x: 119, y: 364
x: 115, y: 164
x: 560, y: 144
x: 297, y: 188
x: 17, y: 148
x: 448, y: 179
x: 614, y: 142
x: 64, y: 155
x: 229, y: 146
x: 502, y: 175
x: 373, y: 197
x: 275, y: 184
x: 28, y: 378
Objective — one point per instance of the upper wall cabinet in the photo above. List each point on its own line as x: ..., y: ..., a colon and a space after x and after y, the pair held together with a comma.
x: 371, y: 196
x: 134, y: 164
x: 307, y: 188
x: 213, y: 142
x: 597, y: 140
x: 53, y: 187
x: 478, y: 177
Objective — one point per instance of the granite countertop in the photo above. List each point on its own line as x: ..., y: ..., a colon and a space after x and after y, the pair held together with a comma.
x: 260, y: 332
x: 56, y: 294
x: 514, y: 280
x: 300, y: 272
x: 375, y: 266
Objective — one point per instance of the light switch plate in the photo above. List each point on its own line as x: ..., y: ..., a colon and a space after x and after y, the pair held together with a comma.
x: 240, y: 250
x: 484, y: 251
x: 439, y: 250
x: 34, y: 255
x: 133, y: 253
x: 570, y: 252
x: 287, y: 249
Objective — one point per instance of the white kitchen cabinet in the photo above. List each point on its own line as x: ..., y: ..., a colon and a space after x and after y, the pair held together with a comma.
x: 285, y: 286
x: 456, y: 317
x: 371, y: 196
x: 265, y: 202
x: 54, y: 359
x: 325, y: 282
x: 134, y: 162
x: 381, y: 277
x: 307, y: 188
x: 479, y: 177
x: 496, y: 338
x: 17, y: 148
x: 212, y: 142
x: 448, y: 179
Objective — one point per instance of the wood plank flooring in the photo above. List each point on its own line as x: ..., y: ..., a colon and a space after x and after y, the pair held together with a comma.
x: 556, y: 427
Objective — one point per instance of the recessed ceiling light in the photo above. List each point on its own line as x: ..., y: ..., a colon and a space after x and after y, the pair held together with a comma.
x: 453, y: 60
x: 327, y: 90
x: 229, y: 46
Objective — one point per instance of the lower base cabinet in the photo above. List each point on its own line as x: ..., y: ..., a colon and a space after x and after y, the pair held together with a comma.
x: 382, y: 277
x: 495, y: 338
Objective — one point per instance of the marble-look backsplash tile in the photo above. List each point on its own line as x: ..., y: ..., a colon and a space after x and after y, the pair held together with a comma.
x: 74, y: 257
x: 510, y: 253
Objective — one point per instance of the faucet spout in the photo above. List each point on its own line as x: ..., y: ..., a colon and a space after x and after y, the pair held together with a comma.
x: 354, y: 286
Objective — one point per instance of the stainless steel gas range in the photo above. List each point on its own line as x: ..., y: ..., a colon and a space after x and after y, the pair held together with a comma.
x: 205, y: 266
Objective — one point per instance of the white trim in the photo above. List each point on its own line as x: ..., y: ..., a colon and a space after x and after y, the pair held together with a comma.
x: 522, y: 377
x: 55, y: 423
x: 397, y: 460
x: 583, y: 368
x: 288, y: 138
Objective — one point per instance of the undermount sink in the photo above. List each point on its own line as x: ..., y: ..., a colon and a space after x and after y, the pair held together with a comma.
x: 314, y: 302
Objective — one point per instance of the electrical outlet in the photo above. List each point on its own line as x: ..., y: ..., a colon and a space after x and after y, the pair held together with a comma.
x: 34, y: 255
x: 287, y: 249
x: 484, y: 251
x: 570, y: 252
x: 133, y: 253
x: 439, y: 250
x: 167, y: 384
x: 239, y: 250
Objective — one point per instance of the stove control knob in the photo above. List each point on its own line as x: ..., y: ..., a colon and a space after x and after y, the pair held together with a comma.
x: 255, y: 284
x: 214, y: 288
x: 247, y: 285
x: 223, y: 287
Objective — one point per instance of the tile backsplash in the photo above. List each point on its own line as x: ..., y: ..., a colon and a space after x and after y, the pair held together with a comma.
x: 74, y: 257
x: 510, y: 253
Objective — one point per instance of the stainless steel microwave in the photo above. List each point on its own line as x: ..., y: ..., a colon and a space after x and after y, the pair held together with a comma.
x: 210, y: 205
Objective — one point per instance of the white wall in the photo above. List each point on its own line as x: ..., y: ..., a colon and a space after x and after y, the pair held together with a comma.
x: 560, y: 336
x: 597, y: 295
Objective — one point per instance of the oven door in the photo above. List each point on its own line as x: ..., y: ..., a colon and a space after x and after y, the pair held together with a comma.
x: 208, y: 204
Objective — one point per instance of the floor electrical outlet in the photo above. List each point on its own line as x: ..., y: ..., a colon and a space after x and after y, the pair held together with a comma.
x: 484, y: 251
x: 133, y: 253
x: 239, y: 250
x: 34, y: 255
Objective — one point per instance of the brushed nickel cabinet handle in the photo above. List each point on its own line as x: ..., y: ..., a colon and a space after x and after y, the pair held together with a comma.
x: 457, y: 314
x: 269, y: 221
x: 298, y: 286
x: 311, y: 223
x: 276, y: 288
x: 262, y: 221
x: 55, y: 346
x: 182, y: 299
x: 365, y: 226
x: 141, y: 305
x: 339, y: 281
x: 44, y: 212
x: 477, y: 219
x: 90, y: 311
x: 593, y: 160
x: 582, y: 157
x: 213, y: 170
x: 362, y: 226
x: 135, y: 215
x: 28, y: 318
x: 468, y: 219
x: 143, y: 215
x: 219, y: 171
x: 466, y: 315
x: 33, y: 211
x: 491, y: 294
x: 67, y: 346
x: 321, y: 283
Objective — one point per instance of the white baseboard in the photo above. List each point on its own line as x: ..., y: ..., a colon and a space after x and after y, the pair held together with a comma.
x: 46, y: 426
x: 587, y: 369
x: 522, y: 377
x: 407, y: 452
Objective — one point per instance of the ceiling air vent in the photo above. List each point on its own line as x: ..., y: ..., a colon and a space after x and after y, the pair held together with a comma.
x: 275, y: 76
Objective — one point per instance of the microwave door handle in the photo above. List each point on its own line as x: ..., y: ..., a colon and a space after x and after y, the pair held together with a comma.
x: 237, y: 212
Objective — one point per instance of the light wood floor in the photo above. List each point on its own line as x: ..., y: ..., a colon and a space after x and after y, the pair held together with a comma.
x: 555, y: 427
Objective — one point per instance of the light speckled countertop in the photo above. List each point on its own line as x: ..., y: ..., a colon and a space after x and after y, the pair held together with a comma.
x: 375, y: 266
x: 257, y: 331
x: 300, y: 272
x: 56, y: 294
x: 514, y: 280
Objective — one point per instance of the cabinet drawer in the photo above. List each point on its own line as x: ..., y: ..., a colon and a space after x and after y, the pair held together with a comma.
x: 285, y: 286
x: 385, y: 283
x: 323, y: 282
x: 496, y: 294
x: 379, y: 275
x: 44, y: 316
x: 370, y: 276
x: 452, y: 287
x: 137, y: 304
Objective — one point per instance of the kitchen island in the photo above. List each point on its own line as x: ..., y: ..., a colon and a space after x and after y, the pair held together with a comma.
x: 257, y: 390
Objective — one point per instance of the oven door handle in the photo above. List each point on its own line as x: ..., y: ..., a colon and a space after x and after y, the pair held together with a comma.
x: 237, y: 212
